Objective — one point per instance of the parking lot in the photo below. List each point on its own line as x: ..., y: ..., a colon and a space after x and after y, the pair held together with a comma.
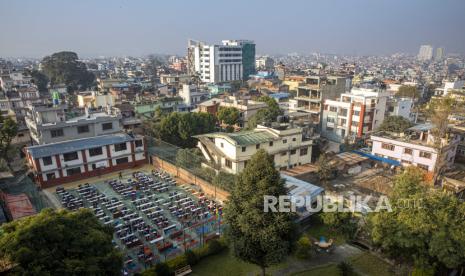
x: 154, y: 218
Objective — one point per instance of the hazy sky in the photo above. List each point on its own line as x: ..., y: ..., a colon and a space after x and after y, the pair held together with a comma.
x: 36, y: 28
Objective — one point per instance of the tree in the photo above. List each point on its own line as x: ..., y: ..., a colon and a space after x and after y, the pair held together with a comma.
x: 60, y: 243
x: 40, y: 79
x: 258, y: 237
x: 440, y: 111
x: 425, y: 226
x: 228, y: 115
x: 267, y: 115
x: 178, y: 128
x: 395, y: 124
x: 408, y: 91
x: 8, y: 130
x: 340, y: 221
x: 65, y: 67
x: 324, y: 167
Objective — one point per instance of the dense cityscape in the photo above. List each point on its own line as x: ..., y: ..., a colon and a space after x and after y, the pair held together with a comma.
x: 225, y: 160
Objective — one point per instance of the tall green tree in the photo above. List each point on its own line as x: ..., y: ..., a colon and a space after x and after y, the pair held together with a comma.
x: 40, y: 79
x: 408, y: 91
x: 178, y: 128
x: 267, y: 115
x: 8, y: 131
x: 425, y: 226
x: 60, y: 243
x: 258, y: 237
x: 324, y: 167
x: 65, y: 67
x: 395, y: 124
x: 228, y: 115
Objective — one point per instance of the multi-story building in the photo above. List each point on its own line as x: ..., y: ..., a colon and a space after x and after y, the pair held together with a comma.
x: 416, y: 147
x: 264, y: 63
x: 459, y: 130
x: 230, y: 152
x: 400, y: 107
x: 94, y: 99
x: 248, y: 56
x: 314, y: 90
x: 425, y: 53
x: 51, y: 124
x: 233, y: 60
x: 354, y: 115
x: 439, y: 54
x: 58, y: 163
x: 193, y: 95
x: 247, y: 108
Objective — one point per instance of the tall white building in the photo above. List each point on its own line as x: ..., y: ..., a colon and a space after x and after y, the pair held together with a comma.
x: 439, y: 54
x: 425, y: 53
x: 220, y: 62
x: 354, y: 115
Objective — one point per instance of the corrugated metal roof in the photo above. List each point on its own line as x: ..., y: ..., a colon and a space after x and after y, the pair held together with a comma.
x: 78, y: 144
x: 244, y: 138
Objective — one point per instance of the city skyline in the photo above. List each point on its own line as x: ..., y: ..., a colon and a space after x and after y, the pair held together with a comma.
x: 115, y: 28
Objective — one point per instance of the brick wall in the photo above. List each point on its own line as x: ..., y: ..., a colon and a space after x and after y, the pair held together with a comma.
x: 186, y: 176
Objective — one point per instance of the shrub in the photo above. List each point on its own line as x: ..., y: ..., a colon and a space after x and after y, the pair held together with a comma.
x: 191, y: 257
x: 214, y: 247
x: 303, y: 248
x: 177, y: 262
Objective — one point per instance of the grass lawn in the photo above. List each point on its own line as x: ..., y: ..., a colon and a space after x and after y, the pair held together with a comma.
x: 223, y: 264
x: 369, y: 264
x: 329, y: 270
x: 226, y: 264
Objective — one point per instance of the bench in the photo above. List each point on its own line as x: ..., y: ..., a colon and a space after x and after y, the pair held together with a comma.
x: 183, y: 271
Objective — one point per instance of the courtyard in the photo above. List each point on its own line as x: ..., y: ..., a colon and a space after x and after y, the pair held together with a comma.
x: 154, y: 217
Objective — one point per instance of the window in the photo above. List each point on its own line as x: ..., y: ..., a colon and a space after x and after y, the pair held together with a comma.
x: 293, y: 152
x: 425, y: 154
x: 356, y: 113
x: 107, y: 126
x: 283, y: 153
x: 120, y: 147
x: 408, y: 151
x: 73, y: 171
x: 56, y: 132
x: 138, y: 143
x: 257, y: 146
x: 421, y: 166
x: 333, y: 108
x: 228, y: 163
x: 47, y: 160
x: 354, y: 123
x: 303, y: 151
x: 271, y: 143
x: 50, y: 176
x: 83, y: 129
x: 222, y: 145
x: 294, y: 139
x: 245, y: 163
x: 244, y: 149
x: 388, y: 146
x: 70, y: 156
x: 95, y: 151
x: 122, y: 160
x: 284, y: 141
